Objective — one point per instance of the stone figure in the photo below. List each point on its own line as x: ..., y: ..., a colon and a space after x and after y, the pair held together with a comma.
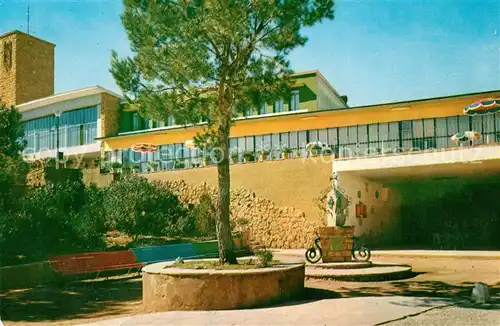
x: 480, y: 293
x: 337, y: 203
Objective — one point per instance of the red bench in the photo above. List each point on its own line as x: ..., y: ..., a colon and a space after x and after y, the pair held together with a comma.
x: 91, y: 262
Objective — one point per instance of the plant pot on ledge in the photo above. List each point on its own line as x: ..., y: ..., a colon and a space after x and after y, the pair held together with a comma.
x: 248, y: 157
x: 285, y: 153
x: 234, y: 158
x: 263, y: 155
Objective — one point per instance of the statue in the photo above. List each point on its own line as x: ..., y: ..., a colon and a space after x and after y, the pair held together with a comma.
x: 337, y: 203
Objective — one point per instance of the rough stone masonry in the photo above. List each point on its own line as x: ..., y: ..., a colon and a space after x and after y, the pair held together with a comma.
x: 268, y: 225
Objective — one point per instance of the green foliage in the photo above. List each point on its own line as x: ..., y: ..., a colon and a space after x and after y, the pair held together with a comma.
x: 249, y: 156
x: 11, y: 131
x: 138, y: 207
x: 210, y: 60
x: 265, y: 257
x: 59, y: 218
x: 196, y: 59
x: 13, y: 169
x: 203, y: 215
x: 13, y: 172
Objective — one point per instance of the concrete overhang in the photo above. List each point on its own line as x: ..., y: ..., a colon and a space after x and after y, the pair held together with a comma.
x: 456, y: 162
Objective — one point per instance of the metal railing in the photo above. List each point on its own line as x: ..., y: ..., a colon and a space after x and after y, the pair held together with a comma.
x: 69, y: 136
x: 345, y: 143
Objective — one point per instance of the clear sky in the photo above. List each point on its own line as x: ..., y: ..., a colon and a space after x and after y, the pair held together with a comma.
x: 374, y: 51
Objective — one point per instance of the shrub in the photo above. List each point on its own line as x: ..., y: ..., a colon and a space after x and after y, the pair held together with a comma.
x: 138, y: 207
x: 249, y: 156
x: 203, y: 215
x: 265, y: 257
x: 59, y: 218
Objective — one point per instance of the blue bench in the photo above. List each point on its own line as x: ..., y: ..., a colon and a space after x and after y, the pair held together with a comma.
x: 153, y: 254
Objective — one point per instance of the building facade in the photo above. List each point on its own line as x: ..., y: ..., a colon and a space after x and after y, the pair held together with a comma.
x: 404, y: 177
x: 27, y: 82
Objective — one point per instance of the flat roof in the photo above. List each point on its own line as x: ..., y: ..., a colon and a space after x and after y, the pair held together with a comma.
x: 301, y: 113
x: 426, y: 99
x: 25, y: 34
x: 62, y: 97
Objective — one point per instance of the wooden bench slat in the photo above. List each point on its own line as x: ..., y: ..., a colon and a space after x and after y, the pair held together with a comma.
x: 95, y: 262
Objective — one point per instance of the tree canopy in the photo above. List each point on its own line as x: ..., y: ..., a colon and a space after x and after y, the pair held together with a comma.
x: 210, y: 59
x: 11, y: 131
x: 185, y: 50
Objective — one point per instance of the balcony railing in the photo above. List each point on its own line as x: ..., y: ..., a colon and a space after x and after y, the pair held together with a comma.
x: 69, y: 136
x: 344, y: 143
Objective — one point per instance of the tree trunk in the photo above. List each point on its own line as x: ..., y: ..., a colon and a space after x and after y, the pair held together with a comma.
x: 226, y: 250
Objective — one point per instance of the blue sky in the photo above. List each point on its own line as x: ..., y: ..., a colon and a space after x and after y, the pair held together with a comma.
x: 374, y: 51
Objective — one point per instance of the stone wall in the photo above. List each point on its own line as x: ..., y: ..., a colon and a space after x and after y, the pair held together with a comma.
x: 110, y: 116
x: 268, y: 225
x: 34, y: 68
x: 8, y: 70
x: 294, y: 182
x: 28, y: 72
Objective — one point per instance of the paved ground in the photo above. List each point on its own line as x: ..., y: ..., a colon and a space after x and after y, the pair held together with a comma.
x: 453, y: 316
x: 352, y: 311
x: 441, y: 278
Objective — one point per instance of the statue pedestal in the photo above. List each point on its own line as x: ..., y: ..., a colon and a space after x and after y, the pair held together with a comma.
x: 336, y: 243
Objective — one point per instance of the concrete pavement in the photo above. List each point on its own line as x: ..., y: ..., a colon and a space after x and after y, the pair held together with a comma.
x: 453, y: 316
x: 350, y: 311
x: 470, y: 254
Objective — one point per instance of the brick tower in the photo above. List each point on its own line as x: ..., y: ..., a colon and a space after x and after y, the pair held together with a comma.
x: 26, y: 68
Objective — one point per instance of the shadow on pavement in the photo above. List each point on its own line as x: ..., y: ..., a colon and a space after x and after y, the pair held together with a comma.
x: 72, y: 300
x: 458, y: 294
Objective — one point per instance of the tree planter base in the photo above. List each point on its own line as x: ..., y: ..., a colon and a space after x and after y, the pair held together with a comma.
x: 166, y: 289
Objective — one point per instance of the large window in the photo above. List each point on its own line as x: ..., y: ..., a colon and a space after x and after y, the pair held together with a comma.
x: 279, y: 106
x: 76, y: 127
x: 137, y: 122
x: 347, y: 141
x: 294, y: 100
x: 263, y: 108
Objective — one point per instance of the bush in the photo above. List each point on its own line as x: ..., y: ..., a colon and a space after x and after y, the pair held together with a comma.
x: 203, y: 215
x: 138, y: 207
x: 265, y: 257
x: 54, y: 219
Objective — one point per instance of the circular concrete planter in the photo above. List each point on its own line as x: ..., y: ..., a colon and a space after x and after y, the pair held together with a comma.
x: 166, y: 289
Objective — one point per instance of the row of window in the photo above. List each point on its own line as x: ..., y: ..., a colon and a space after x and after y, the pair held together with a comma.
x: 68, y: 118
x: 69, y: 136
x: 359, y: 140
x: 140, y: 123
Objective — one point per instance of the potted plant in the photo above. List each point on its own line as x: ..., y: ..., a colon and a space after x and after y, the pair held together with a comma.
x: 50, y: 161
x: 105, y: 169
x: 116, y: 167
x: 313, y: 148
x: 296, y: 153
x: 153, y: 166
x: 206, y: 160
x: 263, y: 153
x: 248, y: 157
x: 178, y: 164
x: 234, y: 157
x: 285, y: 152
x: 69, y: 163
x: 136, y: 168
x: 97, y: 162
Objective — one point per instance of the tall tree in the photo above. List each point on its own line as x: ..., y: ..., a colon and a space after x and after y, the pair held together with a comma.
x: 13, y: 168
x: 11, y: 131
x: 210, y: 59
